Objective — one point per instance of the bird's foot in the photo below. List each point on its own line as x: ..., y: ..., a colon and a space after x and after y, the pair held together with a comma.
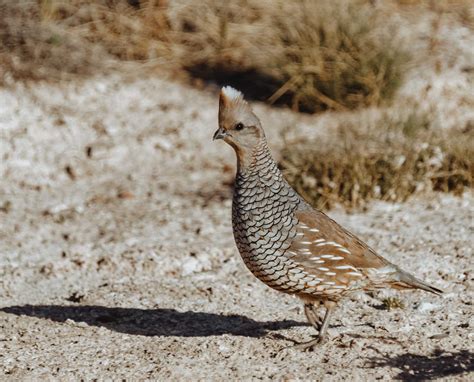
x: 310, y: 345
x: 307, y: 346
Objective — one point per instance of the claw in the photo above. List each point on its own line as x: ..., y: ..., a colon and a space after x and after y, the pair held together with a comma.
x: 310, y: 345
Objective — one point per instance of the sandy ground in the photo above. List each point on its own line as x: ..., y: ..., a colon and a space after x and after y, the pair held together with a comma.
x: 117, y: 257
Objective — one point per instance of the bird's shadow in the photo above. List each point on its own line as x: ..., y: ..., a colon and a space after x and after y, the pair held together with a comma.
x: 416, y: 367
x: 154, y: 322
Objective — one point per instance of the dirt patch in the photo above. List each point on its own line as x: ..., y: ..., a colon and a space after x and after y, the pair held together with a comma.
x: 118, y: 259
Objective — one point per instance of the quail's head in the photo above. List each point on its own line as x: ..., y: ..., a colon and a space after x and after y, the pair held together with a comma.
x: 238, y: 125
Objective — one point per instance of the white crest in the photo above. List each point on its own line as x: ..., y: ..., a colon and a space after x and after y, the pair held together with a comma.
x: 232, y: 94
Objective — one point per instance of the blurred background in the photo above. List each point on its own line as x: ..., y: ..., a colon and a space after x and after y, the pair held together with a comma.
x: 405, y: 67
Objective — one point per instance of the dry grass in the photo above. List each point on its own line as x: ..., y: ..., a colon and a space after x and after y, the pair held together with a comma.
x: 328, y: 54
x: 34, y: 50
x: 391, y: 303
x: 389, y: 159
x: 337, y: 54
x: 53, y: 39
x: 128, y: 30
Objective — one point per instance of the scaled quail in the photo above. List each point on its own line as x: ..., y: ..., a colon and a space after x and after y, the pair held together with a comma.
x: 284, y: 241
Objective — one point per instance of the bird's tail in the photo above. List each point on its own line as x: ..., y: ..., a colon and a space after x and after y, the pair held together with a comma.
x: 412, y: 282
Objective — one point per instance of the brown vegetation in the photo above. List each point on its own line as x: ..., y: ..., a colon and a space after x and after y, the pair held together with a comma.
x: 328, y: 54
x: 389, y: 159
x: 339, y: 54
x: 31, y: 49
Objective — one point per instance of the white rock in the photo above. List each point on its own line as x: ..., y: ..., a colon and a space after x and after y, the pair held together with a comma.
x: 224, y: 349
x: 163, y: 144
x: 58, y: 208
x: 191, y: 265
x: 426, y: 307
x: 132, y: 241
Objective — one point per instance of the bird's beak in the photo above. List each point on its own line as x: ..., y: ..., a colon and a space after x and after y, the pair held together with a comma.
x: 220, y: 134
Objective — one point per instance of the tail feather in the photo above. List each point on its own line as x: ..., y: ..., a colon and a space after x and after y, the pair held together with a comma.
x: 413, y: 282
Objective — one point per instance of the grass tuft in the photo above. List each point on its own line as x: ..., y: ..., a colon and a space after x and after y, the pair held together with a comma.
x: 390, y: 303
x: 328, y: 55
x: 391, y: 159
x: 338, y: 55
x: 53, y: 39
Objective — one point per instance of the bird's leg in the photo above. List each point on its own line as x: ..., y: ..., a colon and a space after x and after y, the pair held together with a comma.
x: 330, y: 305
x: 322, y: 327
x: 312, y: 315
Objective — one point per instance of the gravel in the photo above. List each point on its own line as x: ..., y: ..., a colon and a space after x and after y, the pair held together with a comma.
x: 117, y: 257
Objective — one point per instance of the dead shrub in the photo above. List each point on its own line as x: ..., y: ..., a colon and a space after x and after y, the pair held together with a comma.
x: 390, y: 159
x: 338, y: 54
x: 312, y: 55
x: 128, y: 30
x: 52, y: 39
x: 32, y: 49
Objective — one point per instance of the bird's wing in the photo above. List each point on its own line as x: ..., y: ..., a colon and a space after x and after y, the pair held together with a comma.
x: 323, y: 248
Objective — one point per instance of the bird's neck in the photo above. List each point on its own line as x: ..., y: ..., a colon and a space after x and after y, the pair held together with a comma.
x: 259, y: 184
x: 258, y: 163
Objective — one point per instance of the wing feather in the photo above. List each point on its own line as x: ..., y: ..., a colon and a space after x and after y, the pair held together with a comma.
x: 324, y: 248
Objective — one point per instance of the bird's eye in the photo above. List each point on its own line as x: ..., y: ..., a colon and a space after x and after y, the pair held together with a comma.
x: 239, y: 126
